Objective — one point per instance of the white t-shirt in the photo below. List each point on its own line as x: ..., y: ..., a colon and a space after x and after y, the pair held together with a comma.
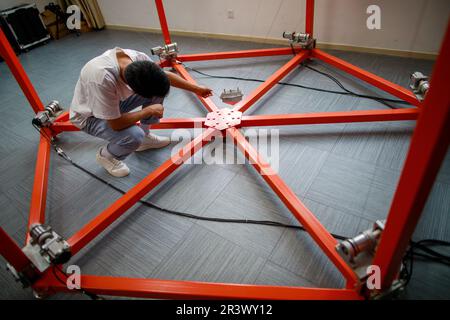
x: 100, y: 88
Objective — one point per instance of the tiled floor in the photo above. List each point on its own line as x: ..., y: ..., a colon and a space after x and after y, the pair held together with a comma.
x: 345, y: 173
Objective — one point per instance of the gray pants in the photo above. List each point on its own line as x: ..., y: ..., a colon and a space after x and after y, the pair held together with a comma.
x: 124, y: 142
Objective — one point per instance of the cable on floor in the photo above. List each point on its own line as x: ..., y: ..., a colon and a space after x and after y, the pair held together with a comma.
x: 345, y: 91
x: 407, y: 262
x: 426, y: 254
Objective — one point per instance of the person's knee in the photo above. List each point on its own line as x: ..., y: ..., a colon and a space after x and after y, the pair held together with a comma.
x: 134, y: 137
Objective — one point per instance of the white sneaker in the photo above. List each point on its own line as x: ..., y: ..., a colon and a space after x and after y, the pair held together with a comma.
x: 152, y: 141
x: 114, y: 167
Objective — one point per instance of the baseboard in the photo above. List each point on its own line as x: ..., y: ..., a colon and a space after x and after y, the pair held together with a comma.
x: 322, y: 45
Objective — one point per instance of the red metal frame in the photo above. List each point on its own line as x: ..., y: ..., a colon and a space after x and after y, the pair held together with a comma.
x: 428, y: 145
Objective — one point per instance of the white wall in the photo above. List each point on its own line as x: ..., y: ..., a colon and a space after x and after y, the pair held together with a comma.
x: 5, y: 4
x: 410, y: 25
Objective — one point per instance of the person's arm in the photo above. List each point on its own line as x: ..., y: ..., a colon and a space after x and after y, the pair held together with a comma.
x: 130, y: 118
x: 178, y: 82
x: 106, y: 101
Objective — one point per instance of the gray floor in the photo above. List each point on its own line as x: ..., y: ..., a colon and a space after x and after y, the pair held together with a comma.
x: 345, y: 173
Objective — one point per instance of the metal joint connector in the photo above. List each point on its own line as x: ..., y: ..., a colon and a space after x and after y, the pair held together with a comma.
x: 46, y: 247
x: 168, y: 51
x: 231, y: 96
x: 358, y: 251
x: 303, y: 39
x: 46, y: 117
x: 419, y: 84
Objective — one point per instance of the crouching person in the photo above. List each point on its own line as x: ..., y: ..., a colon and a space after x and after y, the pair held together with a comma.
x: 110, y: 86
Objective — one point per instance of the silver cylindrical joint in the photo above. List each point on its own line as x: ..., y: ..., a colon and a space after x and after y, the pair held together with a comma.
x: 288, y: 35
x: 53, y: 107
x: 365, y: 241
x: 156, y: 51
x: 40, y: 233
x: 302, y: 37
x: 423, y: 87
x: 296, y: 37
x: 172, y: 47
x: 416, y: 79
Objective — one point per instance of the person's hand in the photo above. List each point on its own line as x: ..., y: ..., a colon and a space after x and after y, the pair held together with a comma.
x: 156, y: 110
x: 203, y: 91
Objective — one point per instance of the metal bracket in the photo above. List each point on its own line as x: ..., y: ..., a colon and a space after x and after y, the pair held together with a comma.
x: 166, y: 52
x: 46, y: 247
x: 359, y: 251
x: 45, y: 118
x: 419, y: 84
x: 303, y: 39
x: 231, y: 96
x: 223, y: 119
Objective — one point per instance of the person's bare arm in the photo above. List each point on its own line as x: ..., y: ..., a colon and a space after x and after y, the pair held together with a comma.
x: 129, y: 119
x: 178, y: 82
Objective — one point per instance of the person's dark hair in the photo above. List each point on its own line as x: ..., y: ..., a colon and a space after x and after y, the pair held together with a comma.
x: 147, y: 79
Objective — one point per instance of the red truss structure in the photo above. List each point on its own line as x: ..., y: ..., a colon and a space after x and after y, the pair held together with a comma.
x: 426, y: 152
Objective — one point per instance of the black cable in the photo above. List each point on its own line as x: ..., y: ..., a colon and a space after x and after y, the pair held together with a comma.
x: 429, y: 255
x: 193, y: 216
x: 354, y: 94
x: 421, y: 245
x: 406, y: 274
x: 259, y: 80
x: 63, y: 155
x: 411, y: 254
x: 345, y: 91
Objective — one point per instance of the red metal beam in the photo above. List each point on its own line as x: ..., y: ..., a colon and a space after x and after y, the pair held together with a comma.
x: 63, y: 126
x: 312, y: 225
x: 279, y: 119
x: 163, y: 21
x: 12, y: 253
x: 114, y: 211
x: 173, y: 289
x: 8, y: 54
x: 165, y: 63
x: 39, y: 194
x: 329, y: 117
x: 63, y: 117
x: 309, y: 19
x: 428, y: 147
x: 179, y: 123
x: 368, y: 77
x: 207, y: 102
x: 271, y: 81
x: 168, y: 123
x: 235, y: 54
